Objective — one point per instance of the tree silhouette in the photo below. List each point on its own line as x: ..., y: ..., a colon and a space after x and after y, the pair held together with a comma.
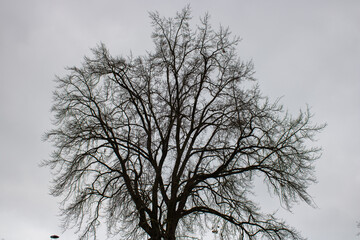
x: 168, y: 144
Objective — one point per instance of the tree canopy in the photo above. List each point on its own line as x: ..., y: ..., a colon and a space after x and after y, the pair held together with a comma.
x: 165, y: 145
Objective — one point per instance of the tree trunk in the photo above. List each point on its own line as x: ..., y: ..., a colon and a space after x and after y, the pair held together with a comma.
x: 171, y: 229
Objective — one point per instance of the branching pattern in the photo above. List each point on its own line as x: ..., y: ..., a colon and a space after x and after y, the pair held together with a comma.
x: 169, y: 143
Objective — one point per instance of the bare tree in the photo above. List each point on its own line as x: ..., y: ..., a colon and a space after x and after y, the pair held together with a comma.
x: 168, y: 144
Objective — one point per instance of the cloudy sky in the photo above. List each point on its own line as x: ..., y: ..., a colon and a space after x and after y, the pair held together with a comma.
x: 307, y: 52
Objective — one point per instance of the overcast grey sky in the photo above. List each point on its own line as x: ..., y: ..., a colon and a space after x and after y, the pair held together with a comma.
x: 308, y: 52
